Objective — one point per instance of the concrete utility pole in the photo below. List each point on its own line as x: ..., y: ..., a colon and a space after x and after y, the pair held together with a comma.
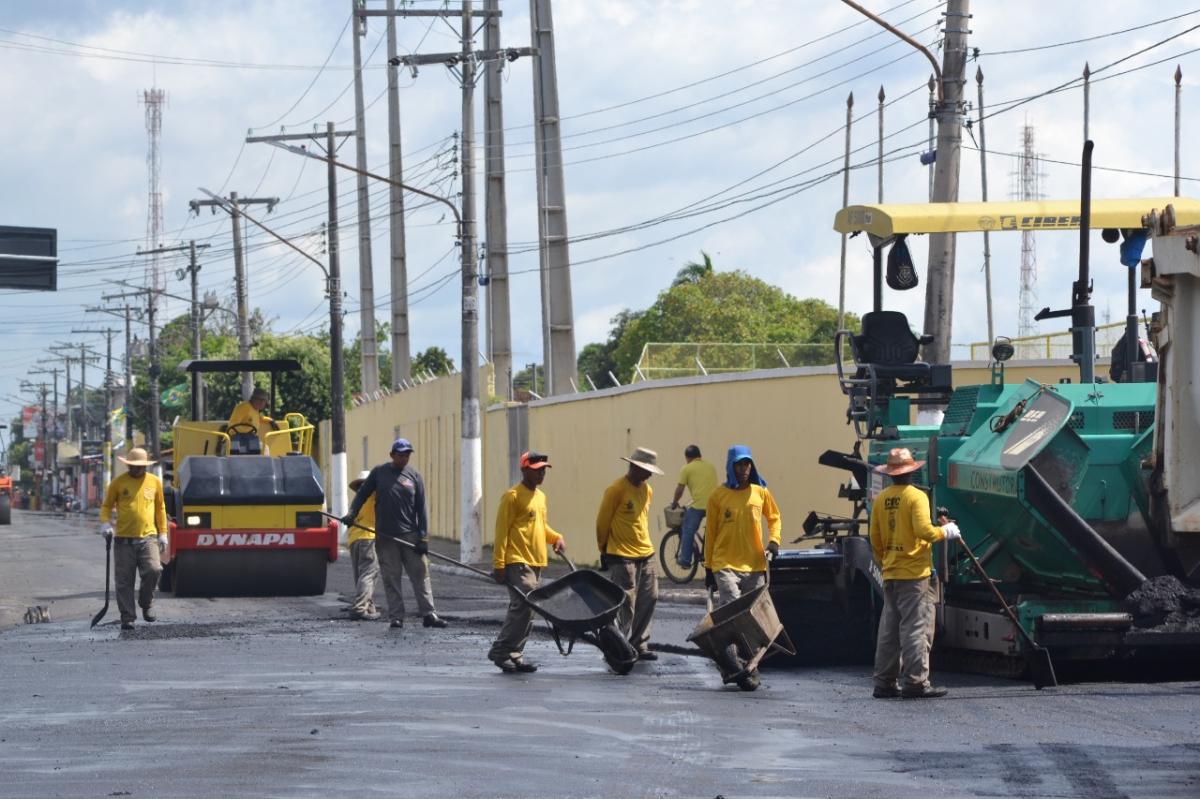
x: 559, y: 324
x: 153, y: 371
x: 1087, y: 93
x: 193, y: 270
x: 333, y: 287
x: 471, y: 476
x: 106, y: 428
x: 987, y: 244
x: 845, y: 202
x: 1178, y: 128
x: 882, y: 96
x: 241, y: 283
x: 499, y: 339
x: 401, y: 347
x: 50, y: 457
x: 127, y: 314
x: 369, y: 374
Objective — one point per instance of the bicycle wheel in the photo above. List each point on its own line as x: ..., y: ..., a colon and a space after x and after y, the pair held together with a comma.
x: 668, y: 551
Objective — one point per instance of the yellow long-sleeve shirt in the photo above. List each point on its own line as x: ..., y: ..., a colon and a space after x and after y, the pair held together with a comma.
x: 245, y: 413
x: 522, y: 531
x: 902, y: 534
x: 623, y: 521
x: 138, y: 501
x: 734, y: 538
x: 366, y: 516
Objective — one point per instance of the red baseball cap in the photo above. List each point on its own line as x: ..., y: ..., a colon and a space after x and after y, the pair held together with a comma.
x: 535, y: 460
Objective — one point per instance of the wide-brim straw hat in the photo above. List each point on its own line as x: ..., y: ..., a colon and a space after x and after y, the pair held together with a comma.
x: 900, y: 461
x: 362, y: 478
x: 137, y: 457
x: 646, y: 459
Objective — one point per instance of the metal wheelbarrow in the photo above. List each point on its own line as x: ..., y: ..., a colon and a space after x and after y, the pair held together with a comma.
x: 739, y: 635
x: 580, y: 605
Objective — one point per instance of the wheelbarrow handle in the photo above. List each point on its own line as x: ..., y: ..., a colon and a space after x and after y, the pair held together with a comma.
x: 409, y: 544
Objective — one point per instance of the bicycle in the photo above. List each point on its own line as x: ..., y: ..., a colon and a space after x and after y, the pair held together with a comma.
x: 668, y: 550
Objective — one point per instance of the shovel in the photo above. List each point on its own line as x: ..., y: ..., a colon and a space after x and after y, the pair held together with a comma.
x: 1036, y: 656
x: 107, y: 574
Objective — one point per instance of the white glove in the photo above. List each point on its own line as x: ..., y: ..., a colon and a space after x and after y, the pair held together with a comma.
x: 106, y: 530
x: 162, y: 543
x: 950, y: 529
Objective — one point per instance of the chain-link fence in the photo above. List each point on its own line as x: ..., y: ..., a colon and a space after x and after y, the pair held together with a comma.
x: 659, y: 361
x: 1053, y: 346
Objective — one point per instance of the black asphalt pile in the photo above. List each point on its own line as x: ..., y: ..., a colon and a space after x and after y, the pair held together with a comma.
x: 1165, y: 602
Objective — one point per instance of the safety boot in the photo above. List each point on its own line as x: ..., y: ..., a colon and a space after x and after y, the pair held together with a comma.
x: 922, y: 692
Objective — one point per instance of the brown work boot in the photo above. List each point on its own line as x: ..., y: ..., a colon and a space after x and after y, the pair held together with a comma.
x: 886, y: 692
x: 922, y: 692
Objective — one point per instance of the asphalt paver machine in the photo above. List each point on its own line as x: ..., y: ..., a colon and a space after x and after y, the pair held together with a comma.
x: 246, y: 505
x: 1082, y: 497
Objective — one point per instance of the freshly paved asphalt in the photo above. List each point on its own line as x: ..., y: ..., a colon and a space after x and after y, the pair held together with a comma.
x: 284, y: 697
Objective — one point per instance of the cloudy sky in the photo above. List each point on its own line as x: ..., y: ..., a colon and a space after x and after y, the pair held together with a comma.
x: 723, y: 116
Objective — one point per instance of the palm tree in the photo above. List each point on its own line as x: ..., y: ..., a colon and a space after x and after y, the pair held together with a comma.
x: 694, y: 271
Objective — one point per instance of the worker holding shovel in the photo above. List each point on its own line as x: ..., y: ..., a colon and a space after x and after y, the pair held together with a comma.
x: 518, y: 557
x: 902, y: 536
x: 141, y: 534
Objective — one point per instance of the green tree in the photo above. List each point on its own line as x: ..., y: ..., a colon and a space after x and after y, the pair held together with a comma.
x: 353, y: 358
x: 434, y: 360
x: 694, y: 271
x: 596, y: 359
x: 726, y: 307
x: 531, y: 378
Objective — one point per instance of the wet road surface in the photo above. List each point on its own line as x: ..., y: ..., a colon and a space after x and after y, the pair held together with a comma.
x: 284, y: 698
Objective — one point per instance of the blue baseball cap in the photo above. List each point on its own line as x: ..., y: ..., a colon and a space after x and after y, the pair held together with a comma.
x: 402, y: 445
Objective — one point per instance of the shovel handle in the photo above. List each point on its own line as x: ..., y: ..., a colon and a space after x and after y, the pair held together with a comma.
x: 999, y: 597
x: 410, y: 545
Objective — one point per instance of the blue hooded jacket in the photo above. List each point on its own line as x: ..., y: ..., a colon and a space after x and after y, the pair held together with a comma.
x: 740, y: 452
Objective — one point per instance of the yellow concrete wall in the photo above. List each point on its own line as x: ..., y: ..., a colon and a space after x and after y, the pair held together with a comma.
x: 787, y: 416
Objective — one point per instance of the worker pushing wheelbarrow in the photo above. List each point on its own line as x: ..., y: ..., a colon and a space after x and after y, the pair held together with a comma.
x: 580, y: 605
x: 744, y: 627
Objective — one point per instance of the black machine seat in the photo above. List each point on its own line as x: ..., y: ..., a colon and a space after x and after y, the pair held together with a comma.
x: 885, y: 355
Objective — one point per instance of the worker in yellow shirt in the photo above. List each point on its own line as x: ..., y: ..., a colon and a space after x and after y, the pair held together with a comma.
x: 699, y: 478
x: 902, y: 536
x: 623, y: 537
x: 518, y: 557
x: 249, y: 413
x: 141, y: 534
x: 735, y: 558
x: 363, y: 561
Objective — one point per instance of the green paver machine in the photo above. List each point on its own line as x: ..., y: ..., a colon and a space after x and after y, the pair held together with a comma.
x: 1076, y: 495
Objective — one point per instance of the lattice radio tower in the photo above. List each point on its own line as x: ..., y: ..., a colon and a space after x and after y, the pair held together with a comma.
x: 154, y: 100
x: 1027, y: 181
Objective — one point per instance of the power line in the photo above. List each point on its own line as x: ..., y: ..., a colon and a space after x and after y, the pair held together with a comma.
x: 1070, y: 42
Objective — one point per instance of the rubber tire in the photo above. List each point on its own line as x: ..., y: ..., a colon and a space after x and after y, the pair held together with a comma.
x: 5, y: 509
x: 619, y: 654
x: 667, y: 551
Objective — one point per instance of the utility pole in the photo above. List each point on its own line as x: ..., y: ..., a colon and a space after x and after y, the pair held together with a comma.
x: 126, y: 313
x: 471, y: 475
x: 106, y: 468
x: 987, y: 244
x: 239, y: 271
x: 50, y: 457
x: 369, y: 374
x: 845, y: 201
x: 81, y: 429
x: 559, y: 356
x: 153, y: 372
x: 499, y: 339
x: 401, y: 347
x: 333, y: 281
x: 193, y: 270
x: 1178, y: 108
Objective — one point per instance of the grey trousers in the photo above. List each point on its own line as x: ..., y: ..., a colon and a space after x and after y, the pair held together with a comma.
x: 366, y: 571
x: 518, y: 622
x: 133, y: 557
x: 394, y: 560
x: 732, y: 584
x: 640, y: 582
x: 905, y: 633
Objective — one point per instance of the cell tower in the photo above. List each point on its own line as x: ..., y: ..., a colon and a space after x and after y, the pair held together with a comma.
x: 1027, y: 180
x: 154, y: 100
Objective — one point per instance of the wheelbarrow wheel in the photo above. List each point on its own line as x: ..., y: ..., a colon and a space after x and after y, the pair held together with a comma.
x: 749, y: 682
x: 618, y: 653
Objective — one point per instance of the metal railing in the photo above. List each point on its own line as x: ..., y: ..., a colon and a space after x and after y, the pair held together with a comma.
x: 662, y: 360
x: 1052, y: 346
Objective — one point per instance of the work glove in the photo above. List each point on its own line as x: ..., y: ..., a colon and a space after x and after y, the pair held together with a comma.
x: 950, y: 530
x: 772, y: 550
x: 498, y: 576
x: 162, y: 544
x: 603, y: 562
x: 710, y: 581
x: 422, y: 546
x: 347, y: 521
x: 106, y: 530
